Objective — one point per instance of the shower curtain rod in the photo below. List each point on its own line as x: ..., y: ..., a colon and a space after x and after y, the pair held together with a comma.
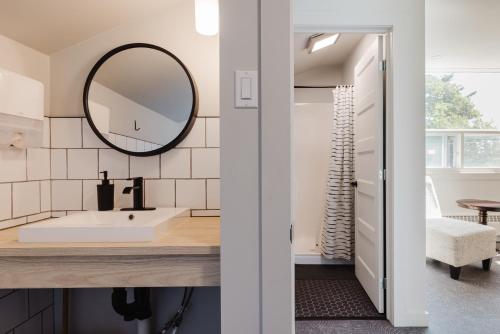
x: 335, y: 86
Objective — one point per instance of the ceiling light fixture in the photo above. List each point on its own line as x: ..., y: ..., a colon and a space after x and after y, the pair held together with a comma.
x: 320, y: 41
x: 206, y: 14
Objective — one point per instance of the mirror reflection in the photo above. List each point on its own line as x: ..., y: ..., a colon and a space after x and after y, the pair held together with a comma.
x: 141, y: 99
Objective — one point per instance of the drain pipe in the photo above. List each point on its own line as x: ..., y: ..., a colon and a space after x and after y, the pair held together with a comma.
x: 144, y: 326
x: 139, y: 310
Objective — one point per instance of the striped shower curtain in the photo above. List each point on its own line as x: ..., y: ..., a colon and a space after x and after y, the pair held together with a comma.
x: 337, y: 232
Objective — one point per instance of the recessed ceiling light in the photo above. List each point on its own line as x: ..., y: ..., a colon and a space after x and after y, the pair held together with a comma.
x: 320, y: 41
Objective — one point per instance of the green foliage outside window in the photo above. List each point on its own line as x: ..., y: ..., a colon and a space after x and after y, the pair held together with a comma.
x: 448, y: 107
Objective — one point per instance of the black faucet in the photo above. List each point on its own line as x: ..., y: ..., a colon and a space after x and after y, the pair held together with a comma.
x: 138, y: 193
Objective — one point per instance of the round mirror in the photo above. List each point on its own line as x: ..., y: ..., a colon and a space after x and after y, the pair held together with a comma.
x: 140, y: 99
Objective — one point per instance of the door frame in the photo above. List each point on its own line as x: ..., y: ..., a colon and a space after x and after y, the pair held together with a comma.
x: 270, y: 297
x: 388, y: 224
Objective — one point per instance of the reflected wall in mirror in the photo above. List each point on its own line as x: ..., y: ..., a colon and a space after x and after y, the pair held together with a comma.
x: 140, y: 99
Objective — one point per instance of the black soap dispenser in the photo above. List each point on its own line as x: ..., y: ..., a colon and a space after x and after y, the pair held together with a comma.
x: 105, y: 194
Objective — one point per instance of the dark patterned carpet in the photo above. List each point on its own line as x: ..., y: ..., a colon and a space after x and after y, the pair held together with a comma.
x: 468, y: 306
x: 331, y: 292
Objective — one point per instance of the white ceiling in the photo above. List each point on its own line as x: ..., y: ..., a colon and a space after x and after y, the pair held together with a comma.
x: 52, y: 25
x: 334, y: 55
x: 463, y: 34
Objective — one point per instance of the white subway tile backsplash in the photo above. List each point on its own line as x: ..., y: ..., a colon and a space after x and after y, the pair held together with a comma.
x: 5, y: 201
x: 25, y: 198
x: 213, y: 132
x: 196, y: 137
x: 160, y: 193
x: 115, y: 163
x: 46, y: 132
x: 38, y: 164
x: 82, y: 164
x: 147, y: 167
x: 90, y: 194
x: 206, y: 162
x: 213, y: 194
x: 190, y: 194
x: 176, y: 164
x: 13, y: 165
x: 62, y: 176
x: 58, y: 164
x: 90, y: 140
x: 66, y: 195
x: 45, y: 196
x: 66, y: 132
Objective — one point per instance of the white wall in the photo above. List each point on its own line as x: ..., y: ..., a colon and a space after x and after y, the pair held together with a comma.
x: 312, y: 120
x: 23, y: 60
x: 453, y: 185
x: 319, y: 76
x: 406, y: 165
x: 312, y: 125
x: 240, y: 190
x: 174, y: 30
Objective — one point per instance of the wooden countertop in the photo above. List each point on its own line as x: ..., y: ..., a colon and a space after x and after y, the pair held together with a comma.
x: 188, y: 254
x: 188, y: 236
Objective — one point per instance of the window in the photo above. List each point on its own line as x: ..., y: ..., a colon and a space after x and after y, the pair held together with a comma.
x: 462, y: 120
x: 481, y: 150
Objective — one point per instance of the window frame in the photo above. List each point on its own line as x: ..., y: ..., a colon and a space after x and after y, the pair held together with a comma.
x: 460, y: 133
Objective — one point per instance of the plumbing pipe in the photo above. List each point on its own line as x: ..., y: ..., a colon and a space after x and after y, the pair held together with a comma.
x: 144, y: 326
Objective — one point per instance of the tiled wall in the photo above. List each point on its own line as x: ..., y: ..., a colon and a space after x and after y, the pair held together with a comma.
x: 61, y: 177
x: 27, y: 311
x: 25, y: 183
x: 186, y: 176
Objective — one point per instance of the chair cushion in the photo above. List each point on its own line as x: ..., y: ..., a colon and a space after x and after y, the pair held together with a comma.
x: 459, y: 243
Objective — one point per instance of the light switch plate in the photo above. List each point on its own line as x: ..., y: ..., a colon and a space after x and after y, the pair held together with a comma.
x: 246, y: 89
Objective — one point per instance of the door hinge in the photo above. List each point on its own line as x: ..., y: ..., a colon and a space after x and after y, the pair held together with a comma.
x: 384, y: 174
x: 291, y: 234
x: 383, y: 65
x: 384, y: 283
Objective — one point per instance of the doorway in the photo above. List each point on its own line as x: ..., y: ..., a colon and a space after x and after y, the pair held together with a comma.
x: 338, y: 166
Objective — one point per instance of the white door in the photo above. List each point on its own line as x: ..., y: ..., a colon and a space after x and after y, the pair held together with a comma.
x: 368, y: 138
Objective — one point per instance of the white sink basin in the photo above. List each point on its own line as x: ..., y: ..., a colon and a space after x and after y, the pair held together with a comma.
x: 103, y: 226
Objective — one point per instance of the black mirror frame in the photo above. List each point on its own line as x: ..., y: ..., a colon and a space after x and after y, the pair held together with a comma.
x: 192, y: 117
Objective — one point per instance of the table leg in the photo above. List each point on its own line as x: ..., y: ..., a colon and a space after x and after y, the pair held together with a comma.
x: 483, y: 217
